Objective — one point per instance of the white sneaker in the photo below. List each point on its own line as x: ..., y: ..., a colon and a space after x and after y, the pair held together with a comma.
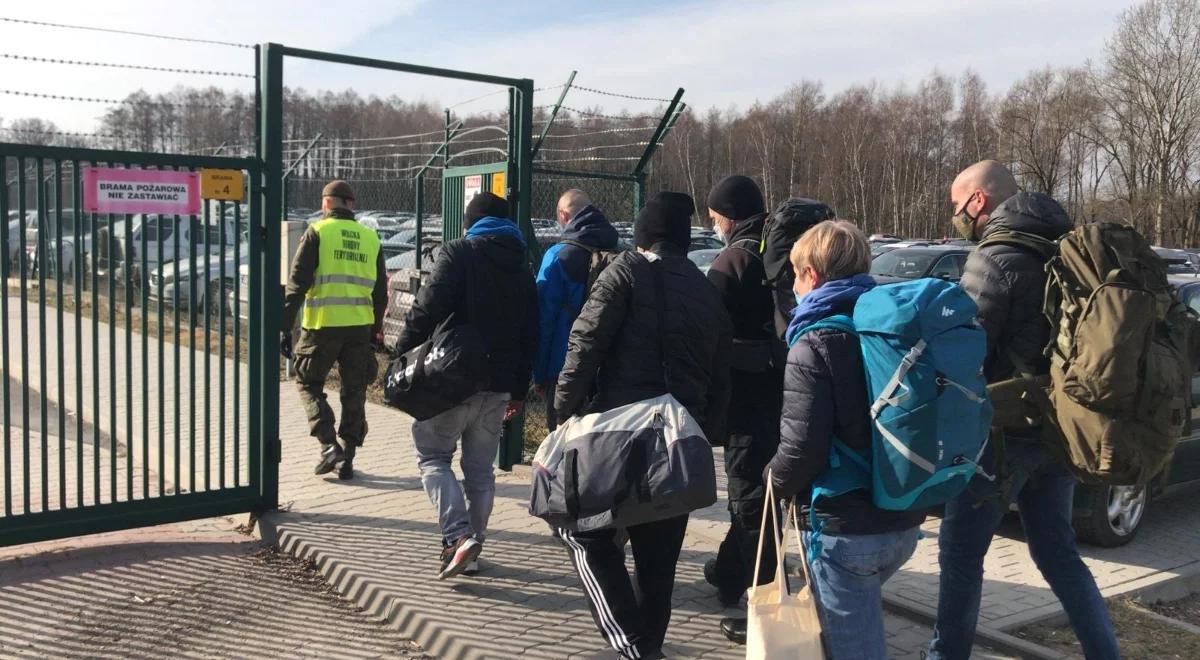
x: 472, y: 568
x: 466, y: 551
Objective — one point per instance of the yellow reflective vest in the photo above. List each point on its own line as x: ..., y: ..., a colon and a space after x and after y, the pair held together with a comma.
x: 346, y: 267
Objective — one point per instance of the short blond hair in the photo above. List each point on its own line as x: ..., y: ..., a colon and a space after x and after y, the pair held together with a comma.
x: 835, y: 249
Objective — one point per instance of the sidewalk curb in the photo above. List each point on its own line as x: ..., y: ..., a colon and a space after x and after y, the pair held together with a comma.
x: 995, y: 639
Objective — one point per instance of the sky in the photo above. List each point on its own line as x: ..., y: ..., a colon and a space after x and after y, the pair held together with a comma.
x: 724, y: 54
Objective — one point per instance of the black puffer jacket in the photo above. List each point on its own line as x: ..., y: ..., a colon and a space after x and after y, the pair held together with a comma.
x: 614, y: 356
x: 504, y: 306
x: 825, y: 396
x: 1008, y: 282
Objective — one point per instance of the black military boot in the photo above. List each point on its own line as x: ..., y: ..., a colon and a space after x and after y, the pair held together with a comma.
x: 331, y: 455
x: 346, y: 472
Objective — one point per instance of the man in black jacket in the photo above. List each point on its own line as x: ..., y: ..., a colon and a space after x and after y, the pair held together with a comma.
x: 739, y: 215
x: 1006, y: 277
x: 616, y: 357
x: 490, y: 264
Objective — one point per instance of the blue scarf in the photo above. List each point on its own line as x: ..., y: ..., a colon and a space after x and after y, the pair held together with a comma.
x: 491, y: 226
x: 821, y: 303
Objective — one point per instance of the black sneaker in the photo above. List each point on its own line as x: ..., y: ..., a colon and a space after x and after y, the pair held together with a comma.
x: 331, y: 455
x: 727, y: 597
x: 466, y: 551
x: 346, y: 472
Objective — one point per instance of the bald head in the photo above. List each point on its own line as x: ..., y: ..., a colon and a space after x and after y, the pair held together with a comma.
x: 979, y: 189
x: 570, y: 204
x: 988, y: 177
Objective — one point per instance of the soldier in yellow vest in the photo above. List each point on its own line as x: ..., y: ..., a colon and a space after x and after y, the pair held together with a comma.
x: 338, y: 279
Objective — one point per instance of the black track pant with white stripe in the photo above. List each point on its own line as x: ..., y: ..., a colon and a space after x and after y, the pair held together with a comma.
x: 634, y: 622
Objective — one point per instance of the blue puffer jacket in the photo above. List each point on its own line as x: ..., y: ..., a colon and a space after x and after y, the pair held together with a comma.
x: 561, y: 282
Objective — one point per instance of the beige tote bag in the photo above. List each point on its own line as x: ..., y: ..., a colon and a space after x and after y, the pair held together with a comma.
x: 782, y: 624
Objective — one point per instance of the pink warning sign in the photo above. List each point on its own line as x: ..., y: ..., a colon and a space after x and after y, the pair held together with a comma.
x: 112, y: 190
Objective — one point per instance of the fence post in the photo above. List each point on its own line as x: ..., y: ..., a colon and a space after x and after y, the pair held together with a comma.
x: 553, y: 115
x: 268, y: 273
x: 639, y: 193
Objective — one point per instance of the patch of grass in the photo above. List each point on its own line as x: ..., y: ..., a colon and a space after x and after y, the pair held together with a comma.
x: 1139, y: 635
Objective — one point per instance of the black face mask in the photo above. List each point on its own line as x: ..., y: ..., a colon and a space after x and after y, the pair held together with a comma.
x: 964, y: 222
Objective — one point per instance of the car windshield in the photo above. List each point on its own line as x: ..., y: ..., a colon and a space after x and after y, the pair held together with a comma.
x: 906, y: 264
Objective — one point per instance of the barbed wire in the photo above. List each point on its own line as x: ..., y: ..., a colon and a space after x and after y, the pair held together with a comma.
x: 500, y: 91
x: 587, y: 159
x: 113, y: 65
x: 355, y: 159
x: 622, y: 96
x: 127, y: 32
x: 86, y: 99
x: 479, y: 150
x: 640, y: 145
x: 588, y: 113
x: 628, y: 129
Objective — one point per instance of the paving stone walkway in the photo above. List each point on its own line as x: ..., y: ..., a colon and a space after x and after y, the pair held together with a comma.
x: 376, y: 539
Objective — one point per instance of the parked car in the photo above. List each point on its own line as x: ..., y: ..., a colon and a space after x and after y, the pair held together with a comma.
x: 703, y: 258
x: 908, y: 263
x: 1178, y: 261
x: 882, y: 248
x: 705, y: 242
x: 194, y: 237
x: 202, y: 276
x: 62, y: 256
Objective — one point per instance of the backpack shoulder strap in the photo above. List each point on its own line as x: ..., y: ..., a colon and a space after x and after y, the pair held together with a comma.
x: 752, y: 250
x: 1043, y: 247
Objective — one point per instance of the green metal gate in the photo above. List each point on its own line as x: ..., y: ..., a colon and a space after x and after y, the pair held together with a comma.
x: 134, y: 378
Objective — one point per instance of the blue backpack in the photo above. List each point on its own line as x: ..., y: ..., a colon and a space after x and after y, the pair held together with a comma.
x: 923, y: 354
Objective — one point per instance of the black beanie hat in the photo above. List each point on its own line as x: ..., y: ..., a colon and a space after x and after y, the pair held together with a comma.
x: 666, y: 218
x: 736, y: 197
x: 483, y: 205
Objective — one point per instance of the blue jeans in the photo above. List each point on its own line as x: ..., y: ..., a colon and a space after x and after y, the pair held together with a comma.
x: 478, y: 422
x: 848, y: 577
x: 1043, y: 489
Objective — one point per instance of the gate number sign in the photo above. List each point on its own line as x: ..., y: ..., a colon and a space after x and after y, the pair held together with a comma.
x: 134, y: 190
x: 222, y: 184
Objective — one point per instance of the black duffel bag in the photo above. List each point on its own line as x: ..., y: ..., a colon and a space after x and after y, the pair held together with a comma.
x: 449, y: 368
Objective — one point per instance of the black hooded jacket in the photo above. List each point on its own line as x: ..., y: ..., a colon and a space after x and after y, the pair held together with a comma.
x: 615, y: 352
x: 758, y: 356
x: 740, y: 278
x: 503, y: 306
x: 1008, y: 281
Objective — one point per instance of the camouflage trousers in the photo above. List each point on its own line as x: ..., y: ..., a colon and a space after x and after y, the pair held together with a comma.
x: 315, y: 354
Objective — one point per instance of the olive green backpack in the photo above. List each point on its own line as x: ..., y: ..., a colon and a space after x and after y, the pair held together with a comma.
x: 1121, y: 355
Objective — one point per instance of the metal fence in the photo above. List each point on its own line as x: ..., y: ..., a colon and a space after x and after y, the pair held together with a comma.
x: 163, y: 382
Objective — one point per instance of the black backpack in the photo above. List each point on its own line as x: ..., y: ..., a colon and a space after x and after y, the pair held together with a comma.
x: 600, y: 260
x: 785, y: 225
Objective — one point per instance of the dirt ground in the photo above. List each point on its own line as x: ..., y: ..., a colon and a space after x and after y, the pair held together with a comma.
x: 1140, y: 636
x: 189, y: 599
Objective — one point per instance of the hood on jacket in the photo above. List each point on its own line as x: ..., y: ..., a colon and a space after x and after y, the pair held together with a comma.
x: 830, y: 298
x: 1030, y: 213
x: 750, y: 228
x: 499, y: 240
x: 590, y: 227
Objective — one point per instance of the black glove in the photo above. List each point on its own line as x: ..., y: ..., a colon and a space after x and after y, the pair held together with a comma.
x: 285, y: 344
